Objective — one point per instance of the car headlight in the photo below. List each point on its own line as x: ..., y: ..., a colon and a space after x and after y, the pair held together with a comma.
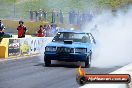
x: 50, y: 49
x: 80, y: 50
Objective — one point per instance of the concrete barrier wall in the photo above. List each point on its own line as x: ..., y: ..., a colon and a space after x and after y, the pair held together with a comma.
x: 16, y: 47
x: 4, y: 48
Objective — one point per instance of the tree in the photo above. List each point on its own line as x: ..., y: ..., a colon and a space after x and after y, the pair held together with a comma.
x: 114, y: 4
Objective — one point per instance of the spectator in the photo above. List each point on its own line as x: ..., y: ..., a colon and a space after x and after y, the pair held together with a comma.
x: 45, y: 15
x: 90, y: 17
x: 40, y: 15
x: 53, y: 16
x: 78, y: 18
x: 41, y: 31
x: 31, y: 14
x: 70, y: 20
x: 2, y: 28
x: 45, y: 27
x: 53, y: 28
x: 61, y: 16
x: 72, y: 17
x: 48, y: 32
x: 36, y: 15
x: 21, y: 30
x: 57, y: 29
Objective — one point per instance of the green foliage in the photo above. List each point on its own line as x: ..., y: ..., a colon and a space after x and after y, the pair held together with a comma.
x: 8, y: 7
x: 114, y: 4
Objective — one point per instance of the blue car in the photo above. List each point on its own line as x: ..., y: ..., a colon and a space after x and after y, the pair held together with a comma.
x: 70, y: 46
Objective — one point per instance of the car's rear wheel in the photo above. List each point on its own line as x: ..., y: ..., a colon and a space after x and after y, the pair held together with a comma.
x: 88, y: 62
x: 47, y: 62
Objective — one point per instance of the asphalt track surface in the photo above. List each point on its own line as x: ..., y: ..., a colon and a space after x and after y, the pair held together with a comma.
x: 31, y: 73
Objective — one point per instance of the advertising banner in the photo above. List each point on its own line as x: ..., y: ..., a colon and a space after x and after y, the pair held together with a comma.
x: 24, y: 46
x: 37, y: 45
x: 14, y: 47
x: 28, y: 46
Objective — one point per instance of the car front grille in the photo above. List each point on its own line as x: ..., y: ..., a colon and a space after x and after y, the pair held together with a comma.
x: 65, y: 50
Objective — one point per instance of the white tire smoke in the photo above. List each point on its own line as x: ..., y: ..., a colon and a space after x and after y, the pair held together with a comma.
x: 114, y: 47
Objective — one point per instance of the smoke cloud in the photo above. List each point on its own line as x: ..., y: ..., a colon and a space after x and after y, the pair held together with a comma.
x: 113, y: 33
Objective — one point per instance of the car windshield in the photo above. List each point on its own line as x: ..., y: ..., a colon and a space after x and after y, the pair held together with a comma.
x: 75, y: 37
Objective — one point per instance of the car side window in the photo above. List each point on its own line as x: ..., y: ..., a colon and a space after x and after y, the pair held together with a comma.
x: 61, y: 35
x: 92, y: 40
x: 89, y: 39
x: 86, y: 39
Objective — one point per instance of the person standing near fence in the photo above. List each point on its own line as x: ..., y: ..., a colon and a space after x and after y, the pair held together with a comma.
x: 61, y: 17
x: 49, y: 31
x: 36, y: 15
x: 31, y: 14
x: 41, y: 31
x: 70, y: 16
x: 73, y: 17
x: 53, y: 29
x: 2, y: 28
x: 84, y: 18
x: 21, y: 29
x: 44, y: 15
x: 40, y: 14
x: 46, y: 30
x: 53, y: 16
x: 78, y: 18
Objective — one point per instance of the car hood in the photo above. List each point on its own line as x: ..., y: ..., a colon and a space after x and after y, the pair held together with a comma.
x: 73, y: 45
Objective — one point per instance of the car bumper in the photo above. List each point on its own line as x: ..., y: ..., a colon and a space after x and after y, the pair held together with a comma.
x: 71, y: 57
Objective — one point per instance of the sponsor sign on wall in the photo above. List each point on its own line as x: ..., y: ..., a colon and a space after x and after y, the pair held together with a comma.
x: 14, y: 47
x: 28, y: 46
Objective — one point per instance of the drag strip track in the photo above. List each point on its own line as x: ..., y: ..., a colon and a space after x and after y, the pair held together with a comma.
x: 31, y: 73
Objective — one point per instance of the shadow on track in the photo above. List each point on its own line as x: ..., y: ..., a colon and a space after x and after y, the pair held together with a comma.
x: 59, y: 64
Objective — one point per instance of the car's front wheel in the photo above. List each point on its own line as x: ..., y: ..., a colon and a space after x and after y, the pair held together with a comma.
x: 88, y: 62
x: 47, y: 62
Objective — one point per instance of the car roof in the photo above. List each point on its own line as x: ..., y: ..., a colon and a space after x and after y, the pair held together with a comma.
x: 72, y: 31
